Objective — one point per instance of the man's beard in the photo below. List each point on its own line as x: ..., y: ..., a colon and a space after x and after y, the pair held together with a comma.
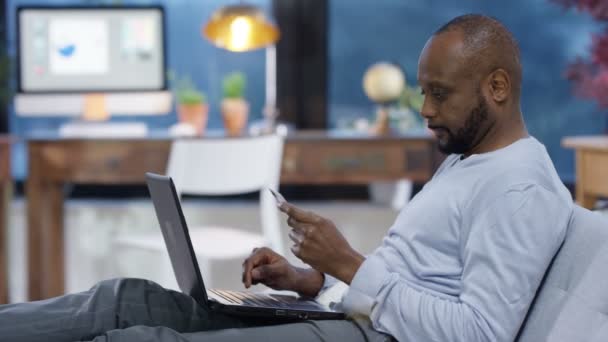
x: 466, y: 136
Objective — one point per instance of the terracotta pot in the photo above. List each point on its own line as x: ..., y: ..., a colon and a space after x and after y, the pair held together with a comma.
x: 235, y: 113
x: 195, y: 115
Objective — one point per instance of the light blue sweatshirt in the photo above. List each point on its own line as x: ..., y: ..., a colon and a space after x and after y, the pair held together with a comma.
x: 464, y: 258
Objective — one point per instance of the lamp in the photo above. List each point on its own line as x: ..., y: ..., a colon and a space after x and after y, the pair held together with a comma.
x: 240, y: 28
x: 245, y: 27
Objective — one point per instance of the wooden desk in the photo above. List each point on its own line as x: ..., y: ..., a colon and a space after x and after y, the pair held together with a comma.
x: 591, y: 167
x: 309, y: 158
x: 5, y: 187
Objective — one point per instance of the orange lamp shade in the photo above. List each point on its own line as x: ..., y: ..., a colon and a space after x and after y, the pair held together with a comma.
x: 240, y: 28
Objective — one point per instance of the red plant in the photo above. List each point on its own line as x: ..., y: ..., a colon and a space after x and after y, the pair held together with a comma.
x: 597, y: 8
x: 590, y: 75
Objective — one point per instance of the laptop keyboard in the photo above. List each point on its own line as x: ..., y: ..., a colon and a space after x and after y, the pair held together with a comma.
x: 263, y: 300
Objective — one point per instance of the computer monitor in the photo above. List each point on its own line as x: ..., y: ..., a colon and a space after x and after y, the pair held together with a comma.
x: 65, y: 53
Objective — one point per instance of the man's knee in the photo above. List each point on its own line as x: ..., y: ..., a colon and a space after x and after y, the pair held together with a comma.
x: 142, y: 333
x: 119, y: 287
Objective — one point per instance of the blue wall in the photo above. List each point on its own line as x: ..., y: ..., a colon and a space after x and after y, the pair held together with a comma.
x: 363, y: 32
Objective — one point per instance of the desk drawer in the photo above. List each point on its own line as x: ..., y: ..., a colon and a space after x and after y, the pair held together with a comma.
x: 319, y: 160
x: 348, y: 163
x: 111, y: 161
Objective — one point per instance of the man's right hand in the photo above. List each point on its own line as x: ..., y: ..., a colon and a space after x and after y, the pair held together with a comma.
x: 271, y: 269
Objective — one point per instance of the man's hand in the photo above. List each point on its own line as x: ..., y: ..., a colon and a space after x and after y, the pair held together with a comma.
x: 318, y: 243
x: 271, y: 269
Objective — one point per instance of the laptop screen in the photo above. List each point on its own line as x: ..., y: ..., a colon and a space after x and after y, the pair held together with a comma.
x: 175, y: 233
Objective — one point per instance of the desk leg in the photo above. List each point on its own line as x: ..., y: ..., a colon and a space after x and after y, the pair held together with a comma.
x: 53, y: 244
x: 582, y: 197
x: 45, y: 239
x: 4, y: 202
x: 586, y: 200
x: 35, y: 218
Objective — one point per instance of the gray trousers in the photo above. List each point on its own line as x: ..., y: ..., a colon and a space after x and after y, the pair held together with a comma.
x: 139, y: 310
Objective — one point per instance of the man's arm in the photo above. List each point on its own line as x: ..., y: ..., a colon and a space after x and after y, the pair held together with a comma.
x: 507, y: 251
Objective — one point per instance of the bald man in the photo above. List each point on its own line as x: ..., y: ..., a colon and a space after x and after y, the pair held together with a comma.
x: 462, y: 262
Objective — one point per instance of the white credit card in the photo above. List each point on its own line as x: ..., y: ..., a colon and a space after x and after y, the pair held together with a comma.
x: 280, y: 199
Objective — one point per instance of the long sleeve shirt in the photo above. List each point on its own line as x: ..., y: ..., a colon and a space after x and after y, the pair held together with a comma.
x: 465, y: 257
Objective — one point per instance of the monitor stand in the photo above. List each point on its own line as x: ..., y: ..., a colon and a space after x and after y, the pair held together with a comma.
x: 94, y: 122
x: 94, y: 108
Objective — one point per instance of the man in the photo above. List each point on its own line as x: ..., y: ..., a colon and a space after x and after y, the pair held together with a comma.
x: 462, y: 261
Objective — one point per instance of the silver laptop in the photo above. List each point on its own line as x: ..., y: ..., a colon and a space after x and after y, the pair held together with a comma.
x: 185, y: 266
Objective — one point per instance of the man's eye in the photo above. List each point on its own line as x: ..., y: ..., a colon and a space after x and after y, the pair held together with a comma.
x: 438, y: 94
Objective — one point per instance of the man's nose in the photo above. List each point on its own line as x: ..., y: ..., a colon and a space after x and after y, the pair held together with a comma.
x: 428, y: 110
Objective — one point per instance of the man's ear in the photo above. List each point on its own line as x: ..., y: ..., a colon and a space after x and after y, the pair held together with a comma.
x: 500, y: 85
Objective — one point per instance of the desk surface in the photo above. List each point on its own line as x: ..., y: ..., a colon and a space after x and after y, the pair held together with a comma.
x: 591, y: 167
x: 161, y: 134
x: 598, y: 142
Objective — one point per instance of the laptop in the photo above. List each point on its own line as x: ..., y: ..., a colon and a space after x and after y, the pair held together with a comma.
x: 185, y: 266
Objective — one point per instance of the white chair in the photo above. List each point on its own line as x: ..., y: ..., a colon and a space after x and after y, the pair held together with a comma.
x: 217, y: 167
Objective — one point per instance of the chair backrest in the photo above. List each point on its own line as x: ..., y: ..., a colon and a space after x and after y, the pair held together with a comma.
x: 225, y: 166
x: 231, y: 166
x: 572, y: 302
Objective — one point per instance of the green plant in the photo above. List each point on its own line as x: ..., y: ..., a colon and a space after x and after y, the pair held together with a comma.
x: 188, y: 94
x: 234, y: 85
x: 185, y: 90
x: 411, y: 98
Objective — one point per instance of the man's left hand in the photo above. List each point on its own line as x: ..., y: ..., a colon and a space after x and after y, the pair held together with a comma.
x: 318, y: 243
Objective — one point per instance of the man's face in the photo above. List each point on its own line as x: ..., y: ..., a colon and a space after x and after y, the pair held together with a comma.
x: 462, y: 139
x: 454, y: 106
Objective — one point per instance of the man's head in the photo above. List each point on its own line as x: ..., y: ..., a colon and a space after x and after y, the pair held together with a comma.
x: 470, y: 73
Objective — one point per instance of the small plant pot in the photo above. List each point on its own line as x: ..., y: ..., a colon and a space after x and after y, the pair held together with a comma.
x: 235, y: 113
x: 195, y: 115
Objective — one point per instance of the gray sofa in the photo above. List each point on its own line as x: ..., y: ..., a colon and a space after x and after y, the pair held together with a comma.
x: 572, y: 302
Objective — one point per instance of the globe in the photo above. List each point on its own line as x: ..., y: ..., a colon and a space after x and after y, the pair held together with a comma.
x: 383, y: 82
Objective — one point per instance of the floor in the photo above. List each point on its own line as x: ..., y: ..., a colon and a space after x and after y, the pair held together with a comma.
x: 92, y: 227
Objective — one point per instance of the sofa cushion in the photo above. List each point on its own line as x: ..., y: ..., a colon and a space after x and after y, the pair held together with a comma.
x: 572, y: 302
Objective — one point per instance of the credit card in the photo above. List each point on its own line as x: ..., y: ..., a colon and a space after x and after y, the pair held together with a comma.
x: 280, y: 199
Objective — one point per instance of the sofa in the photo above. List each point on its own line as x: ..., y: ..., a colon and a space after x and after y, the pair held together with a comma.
x: 571, y: 305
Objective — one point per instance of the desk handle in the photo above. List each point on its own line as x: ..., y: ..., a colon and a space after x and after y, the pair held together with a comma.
x: 374, y: 161
x: 113, y: 163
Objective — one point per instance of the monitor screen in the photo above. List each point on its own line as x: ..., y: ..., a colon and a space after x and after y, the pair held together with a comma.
x: 90, y: 49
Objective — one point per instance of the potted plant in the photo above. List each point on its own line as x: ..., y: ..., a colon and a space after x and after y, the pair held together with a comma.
x: 404, y: 116
x: 235, y: 109
x: 192, y: 107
